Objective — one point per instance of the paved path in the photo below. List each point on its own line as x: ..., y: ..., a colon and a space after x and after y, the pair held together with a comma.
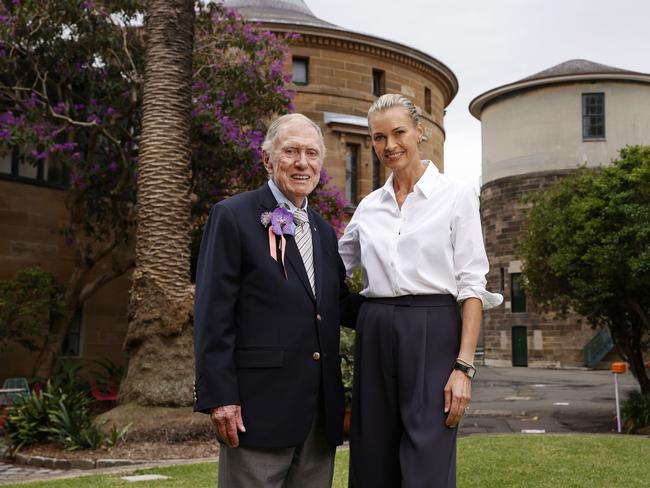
x: 13, y: 473
x: 516, y: 399
x: 505, y: 400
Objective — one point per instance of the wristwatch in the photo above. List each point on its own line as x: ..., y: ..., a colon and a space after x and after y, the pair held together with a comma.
x: 467, y: 369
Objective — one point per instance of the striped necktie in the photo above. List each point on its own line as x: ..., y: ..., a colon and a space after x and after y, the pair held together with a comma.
x: 303, y: 241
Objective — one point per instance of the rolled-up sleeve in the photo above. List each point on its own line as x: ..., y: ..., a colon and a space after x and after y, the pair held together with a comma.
x: 470, y: 260
x: 349, y: 247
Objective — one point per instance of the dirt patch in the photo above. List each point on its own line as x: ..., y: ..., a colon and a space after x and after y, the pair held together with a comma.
x: 151, y: 451
x: 158, y: 424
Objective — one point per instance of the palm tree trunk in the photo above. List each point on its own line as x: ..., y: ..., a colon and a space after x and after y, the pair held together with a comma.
x: 159, y: 339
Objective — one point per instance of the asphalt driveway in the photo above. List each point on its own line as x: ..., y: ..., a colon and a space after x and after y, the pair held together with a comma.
x: 506, y: 400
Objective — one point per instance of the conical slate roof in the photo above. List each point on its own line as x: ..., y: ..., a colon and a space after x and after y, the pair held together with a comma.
x: 572, y: 71
x: 577, y: 67
x: 277, y: 11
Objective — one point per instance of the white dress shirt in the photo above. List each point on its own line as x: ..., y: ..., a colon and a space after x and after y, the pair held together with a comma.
x: 283, y: 201
x: 432, y: 245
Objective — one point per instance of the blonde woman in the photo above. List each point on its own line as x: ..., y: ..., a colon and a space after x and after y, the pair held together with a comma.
x: 419, y: 244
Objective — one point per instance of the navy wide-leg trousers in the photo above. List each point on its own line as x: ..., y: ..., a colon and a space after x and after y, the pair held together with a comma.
x: 405, y: 351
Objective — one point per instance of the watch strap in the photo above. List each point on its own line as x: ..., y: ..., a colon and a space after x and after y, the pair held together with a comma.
x: 467, y: 369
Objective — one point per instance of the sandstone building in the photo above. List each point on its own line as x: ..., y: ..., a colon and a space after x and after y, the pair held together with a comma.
x: 535, y: 131
x: 337, y: 75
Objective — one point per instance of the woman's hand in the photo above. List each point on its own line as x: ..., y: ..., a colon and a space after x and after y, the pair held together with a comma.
x: 458, y: 393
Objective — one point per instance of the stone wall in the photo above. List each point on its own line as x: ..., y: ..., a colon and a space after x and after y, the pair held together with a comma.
x: 31, y: 216
x: 340, y: 81
x: 553, y: 341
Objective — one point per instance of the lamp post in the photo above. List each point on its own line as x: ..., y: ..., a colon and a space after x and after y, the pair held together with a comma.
x: 618, y: 368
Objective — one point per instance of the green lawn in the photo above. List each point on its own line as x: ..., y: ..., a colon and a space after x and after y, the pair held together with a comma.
x: 508, y: 461
x: 560, y: 461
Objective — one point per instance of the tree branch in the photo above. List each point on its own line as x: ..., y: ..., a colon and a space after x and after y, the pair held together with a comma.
x: 636, y: 307
x: 117, y: 270
x: 103, y: 251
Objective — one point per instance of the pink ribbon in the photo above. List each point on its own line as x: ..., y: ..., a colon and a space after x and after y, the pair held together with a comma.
x: 273, y: 250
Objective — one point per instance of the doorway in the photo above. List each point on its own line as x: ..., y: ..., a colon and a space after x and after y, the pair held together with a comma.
x: 519, y: 345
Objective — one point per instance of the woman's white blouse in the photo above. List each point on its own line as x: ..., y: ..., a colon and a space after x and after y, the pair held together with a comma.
x: 434, y: 244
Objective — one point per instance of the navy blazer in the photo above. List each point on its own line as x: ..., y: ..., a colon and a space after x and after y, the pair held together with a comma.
x: 264, y: 341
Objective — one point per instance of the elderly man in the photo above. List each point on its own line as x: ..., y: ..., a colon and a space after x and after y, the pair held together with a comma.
x: 266, y: 332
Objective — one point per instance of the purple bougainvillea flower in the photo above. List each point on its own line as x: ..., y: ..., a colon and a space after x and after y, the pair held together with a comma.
x: 59, y: 108
x: 282, y: 222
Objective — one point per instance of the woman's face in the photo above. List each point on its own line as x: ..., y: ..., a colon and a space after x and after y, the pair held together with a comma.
x: 395, y: 138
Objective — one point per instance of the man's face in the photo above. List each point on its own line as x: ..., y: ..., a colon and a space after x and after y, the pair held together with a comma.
x: 295, y: 162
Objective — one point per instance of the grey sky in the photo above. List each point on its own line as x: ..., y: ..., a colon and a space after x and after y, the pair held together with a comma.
x: 494, y: 42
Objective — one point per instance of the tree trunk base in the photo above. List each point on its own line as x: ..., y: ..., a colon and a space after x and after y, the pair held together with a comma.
x: 160, y: 346
x: 161, y: 372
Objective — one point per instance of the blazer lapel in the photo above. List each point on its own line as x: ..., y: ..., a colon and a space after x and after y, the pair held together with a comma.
x: 318, y: 257
x: 294, y: 257
x: 266, y: 198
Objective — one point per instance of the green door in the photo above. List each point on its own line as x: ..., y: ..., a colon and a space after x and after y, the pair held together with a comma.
x: 519, y: 346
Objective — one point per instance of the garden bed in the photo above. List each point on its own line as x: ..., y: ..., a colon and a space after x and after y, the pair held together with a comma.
x: 141, y: 450
x: 156, y: 433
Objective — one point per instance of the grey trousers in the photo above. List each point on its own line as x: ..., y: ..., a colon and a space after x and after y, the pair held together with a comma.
x: 310, y: 465
x: 405, y: 351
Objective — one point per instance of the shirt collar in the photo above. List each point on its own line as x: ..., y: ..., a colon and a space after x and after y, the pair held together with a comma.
x: 424, y: 185
x: 282, y: 200
x: 427, y: 180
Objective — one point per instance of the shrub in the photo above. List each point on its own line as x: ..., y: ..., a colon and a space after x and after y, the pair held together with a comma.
x: 56, y: 415
x: 346, y: 352
x: 115, y: 435
x: 28, y: 303
x: 347, y: 362
x: 636, y: 411
x: 71, y: 426
x: 67, y: 376
x: 27, y: 421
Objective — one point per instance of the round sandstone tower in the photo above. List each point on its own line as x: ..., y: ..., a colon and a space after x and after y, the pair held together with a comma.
x: 534, y: 132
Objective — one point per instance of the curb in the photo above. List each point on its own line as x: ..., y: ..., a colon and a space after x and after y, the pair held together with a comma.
x: 115, y: 470
x: 67, y: 464
x: 89, y: 464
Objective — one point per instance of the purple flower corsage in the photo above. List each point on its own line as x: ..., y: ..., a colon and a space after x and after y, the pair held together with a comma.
x: 280, y: 223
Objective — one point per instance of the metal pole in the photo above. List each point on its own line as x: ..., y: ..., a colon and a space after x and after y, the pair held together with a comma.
x: 618, y: 407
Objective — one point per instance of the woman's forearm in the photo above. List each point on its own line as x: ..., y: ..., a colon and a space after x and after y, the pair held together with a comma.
x: 472, y: 310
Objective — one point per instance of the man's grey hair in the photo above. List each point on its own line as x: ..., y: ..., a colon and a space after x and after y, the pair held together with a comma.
x: 391, y: 100
x: 278, y: 124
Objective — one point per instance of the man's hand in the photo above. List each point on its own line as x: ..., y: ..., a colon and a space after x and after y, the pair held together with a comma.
x: 227, y: 422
